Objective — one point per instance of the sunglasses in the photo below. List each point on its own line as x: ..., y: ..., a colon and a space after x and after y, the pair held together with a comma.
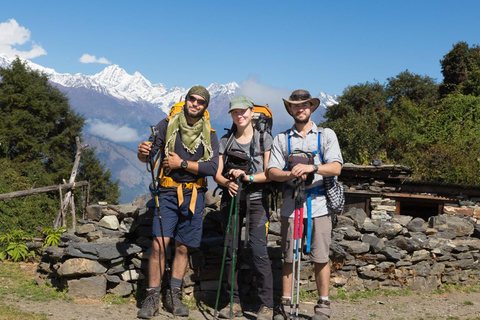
x: 200, y: 102
x: 300, y: 97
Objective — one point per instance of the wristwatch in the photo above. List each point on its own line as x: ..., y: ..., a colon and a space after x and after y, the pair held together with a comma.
x: 184, y: 164
x: 315, y: 168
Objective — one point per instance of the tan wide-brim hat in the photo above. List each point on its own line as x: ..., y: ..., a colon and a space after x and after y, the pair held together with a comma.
x: 301, y: 96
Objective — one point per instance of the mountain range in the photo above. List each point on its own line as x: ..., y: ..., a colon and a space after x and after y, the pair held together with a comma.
x: 120, y: 108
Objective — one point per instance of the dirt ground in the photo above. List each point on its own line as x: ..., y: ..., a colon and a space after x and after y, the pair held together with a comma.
x: 416, y: 306
x: 449, y: 306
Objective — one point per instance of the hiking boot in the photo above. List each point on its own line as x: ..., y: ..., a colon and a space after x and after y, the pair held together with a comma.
x: 237, y: 311
x: 174, y: 304
x: 322, y: 310
x: 149, y: 305
x: 265, y: 313
x: 282, y: 311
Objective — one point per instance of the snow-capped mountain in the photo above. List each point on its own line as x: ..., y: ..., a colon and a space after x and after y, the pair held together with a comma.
x: 120, y: 108
x: 116, y: 82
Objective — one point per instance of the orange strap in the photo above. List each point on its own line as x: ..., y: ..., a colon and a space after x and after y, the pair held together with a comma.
x: 168, y: 182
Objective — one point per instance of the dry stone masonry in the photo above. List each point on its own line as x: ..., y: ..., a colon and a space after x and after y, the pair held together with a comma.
x: 108, y: 252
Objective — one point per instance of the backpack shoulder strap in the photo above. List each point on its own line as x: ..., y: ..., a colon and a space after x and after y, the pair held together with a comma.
x: 321, y: 142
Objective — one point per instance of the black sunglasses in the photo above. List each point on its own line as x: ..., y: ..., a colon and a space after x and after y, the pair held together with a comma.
x: 200, y: 102
x: 300, y: 97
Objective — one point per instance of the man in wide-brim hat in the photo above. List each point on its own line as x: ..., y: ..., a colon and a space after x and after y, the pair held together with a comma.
x: 299, y: 97
x: 304, y: 137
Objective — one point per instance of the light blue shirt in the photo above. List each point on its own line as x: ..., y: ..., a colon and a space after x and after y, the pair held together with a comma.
x: 278, y: 158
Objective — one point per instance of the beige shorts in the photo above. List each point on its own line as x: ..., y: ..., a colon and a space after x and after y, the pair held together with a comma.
x: 320, y: 242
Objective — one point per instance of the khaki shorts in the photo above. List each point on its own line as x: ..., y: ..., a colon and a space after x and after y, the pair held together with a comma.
x: 320, y: 242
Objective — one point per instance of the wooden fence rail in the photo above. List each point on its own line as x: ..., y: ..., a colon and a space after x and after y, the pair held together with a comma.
x: 28, y: 192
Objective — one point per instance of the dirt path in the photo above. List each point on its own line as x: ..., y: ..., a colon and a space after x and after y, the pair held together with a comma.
x: 449, y: 306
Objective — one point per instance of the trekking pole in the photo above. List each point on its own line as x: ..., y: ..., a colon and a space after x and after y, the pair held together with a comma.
x: 301, y: 194
x: 238, y: 181
x: 225, y: 245
x: 154, y: 191
x: 297, y: 237
x: 295, y: 250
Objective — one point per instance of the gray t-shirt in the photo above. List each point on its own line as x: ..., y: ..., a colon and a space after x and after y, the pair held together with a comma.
x: 331, y: 153
x: 258, y: 163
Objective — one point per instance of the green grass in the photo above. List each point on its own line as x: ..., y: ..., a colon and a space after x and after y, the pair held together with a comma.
x: 115, y: 299
x: 15, y: 281
x: 448, y: 288
x: 9, y: 312
x: 343, y: 295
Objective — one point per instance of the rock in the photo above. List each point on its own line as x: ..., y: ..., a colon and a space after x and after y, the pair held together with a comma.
x: 349, y: 232
x: 94, y: 236
x: 123, y: 288
x: 417, y: 225
x: 369, y: 226
x: 420, y: 255
x: 109, y: 222
x: 355, y: 246
x: 389, y: 229
x: 375, y: 243
x: 131, y: 275
x: 87, y: 288
x: 80, y: 267
x: 358, y: 216
x: 127, y: 225
x: 94, y: 212
x: 85, y: 228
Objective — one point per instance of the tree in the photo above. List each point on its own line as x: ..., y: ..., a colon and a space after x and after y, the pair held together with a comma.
x: 458, y: 65
x: 359, y: 121
x: 37, y: 139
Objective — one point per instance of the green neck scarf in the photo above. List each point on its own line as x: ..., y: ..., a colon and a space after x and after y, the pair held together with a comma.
x: 192, y: 136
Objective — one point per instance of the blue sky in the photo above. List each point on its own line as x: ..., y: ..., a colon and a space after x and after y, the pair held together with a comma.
x: 315, y: 45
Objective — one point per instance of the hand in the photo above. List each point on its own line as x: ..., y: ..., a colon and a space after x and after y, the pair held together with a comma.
x: 144, y: 148
x: 172, y: 162
x: 235, y: 173
x: 302, y: 170
x: 232, y: 188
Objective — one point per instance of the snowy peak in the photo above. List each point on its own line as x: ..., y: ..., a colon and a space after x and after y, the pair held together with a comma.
x: 116, y: 82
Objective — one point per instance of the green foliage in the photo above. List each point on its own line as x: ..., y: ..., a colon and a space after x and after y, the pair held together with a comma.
x: 12, y: 246
x: 37, y: 148
x: 414, y: 122
x: 52, y: 236
x: 460, y: 67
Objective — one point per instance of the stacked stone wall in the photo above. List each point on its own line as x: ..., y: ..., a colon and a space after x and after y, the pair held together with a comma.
x: 108, y: 252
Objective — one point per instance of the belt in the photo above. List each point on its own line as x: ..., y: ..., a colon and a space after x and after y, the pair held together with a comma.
x: 168, y: 182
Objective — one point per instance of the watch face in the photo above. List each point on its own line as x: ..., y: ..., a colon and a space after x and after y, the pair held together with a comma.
x: 184, y: 164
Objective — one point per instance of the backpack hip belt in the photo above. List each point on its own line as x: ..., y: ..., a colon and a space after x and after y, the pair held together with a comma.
x: 167, y: 182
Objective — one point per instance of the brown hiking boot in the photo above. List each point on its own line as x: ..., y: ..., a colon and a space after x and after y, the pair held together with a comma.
x: 174, y: 304
x: 149, y: 305
x: 265, y: 313
x: 237, y: 311
x: 282, y: 311
x: 322, y: 310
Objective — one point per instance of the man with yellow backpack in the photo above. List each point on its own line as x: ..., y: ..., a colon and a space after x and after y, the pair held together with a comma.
x: 187, y: 150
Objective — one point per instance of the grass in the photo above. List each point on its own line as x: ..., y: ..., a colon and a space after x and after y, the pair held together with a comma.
x: 9, y: 312
x: 15, y: 281
x: 17, y: 284
x: 343, y: 295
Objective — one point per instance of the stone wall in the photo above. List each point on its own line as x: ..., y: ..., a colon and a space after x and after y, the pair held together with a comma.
x: 108, y: 253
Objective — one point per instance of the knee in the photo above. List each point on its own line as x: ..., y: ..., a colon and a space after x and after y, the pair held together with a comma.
x: 181, y: 250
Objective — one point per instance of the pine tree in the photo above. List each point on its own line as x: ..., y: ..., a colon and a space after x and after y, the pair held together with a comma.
x: 37, y: 138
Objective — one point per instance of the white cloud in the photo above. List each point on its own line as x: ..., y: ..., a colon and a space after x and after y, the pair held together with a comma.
x: 12, y: 35
x: 262, y: 93
x: 113, y: 132
x: 87, y: 58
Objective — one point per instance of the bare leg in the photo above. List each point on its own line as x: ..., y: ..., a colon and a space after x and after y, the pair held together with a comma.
x: 180, y: 261
x: 156, y: 262
x: 287, y: 279
x: 322, y: 278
